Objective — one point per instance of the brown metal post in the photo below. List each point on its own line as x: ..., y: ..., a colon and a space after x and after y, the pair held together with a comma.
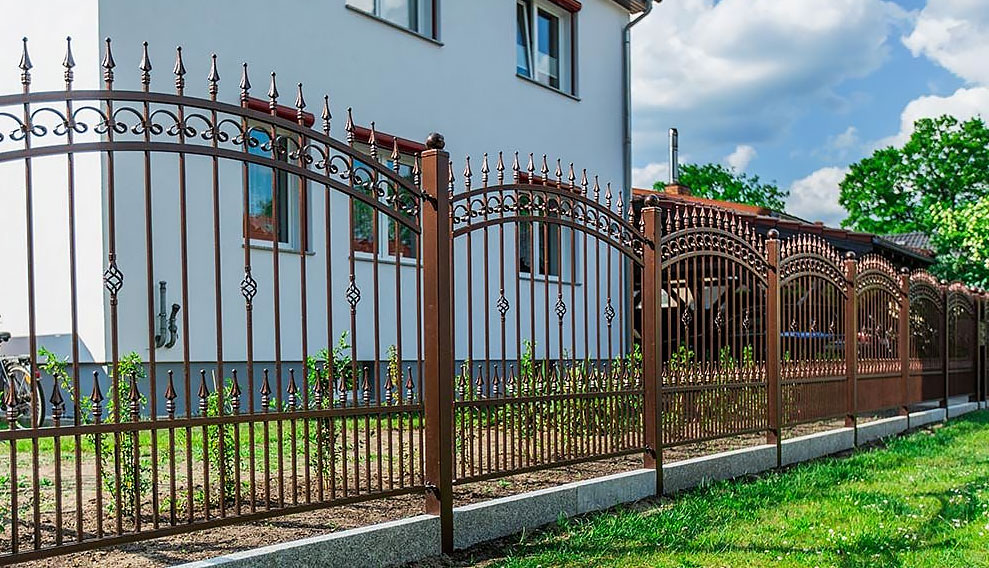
x: 851, y: 345
x: 904, y: 333
x: 945, y: 344
x: 652, y: 218
x: 438, y: 332
x: 774, y: 386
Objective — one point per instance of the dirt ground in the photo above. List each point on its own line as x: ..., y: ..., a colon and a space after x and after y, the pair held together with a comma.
x: 212, y: 542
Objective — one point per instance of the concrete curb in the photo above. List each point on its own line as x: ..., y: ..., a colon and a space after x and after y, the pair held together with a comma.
x: 409, y: 540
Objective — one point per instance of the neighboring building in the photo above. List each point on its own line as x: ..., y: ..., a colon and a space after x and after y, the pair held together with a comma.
x: 918, y: 241
x: 542, y: 76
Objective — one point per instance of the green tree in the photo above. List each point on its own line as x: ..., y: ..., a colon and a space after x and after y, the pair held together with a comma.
x: 715, y: 181
x: 934, y: 183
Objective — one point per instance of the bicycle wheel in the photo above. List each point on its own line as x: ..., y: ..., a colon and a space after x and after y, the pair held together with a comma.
x: 24, y: 383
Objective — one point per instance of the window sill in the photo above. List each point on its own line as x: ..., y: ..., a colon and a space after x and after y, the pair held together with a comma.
x: 383, y: 259
x: 366, y: 14
x: 546, y: 279
x: 547, y: 87
x: 281, y: 249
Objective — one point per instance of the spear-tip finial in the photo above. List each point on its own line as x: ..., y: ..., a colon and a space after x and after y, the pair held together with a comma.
x: 245, y: 83
x: 179, y: 69
x: 272, y: 91
x: 25, y: 64
x: 108, y: 63
x: 214, y: 76
x: 300, y: 101
x: 145, y: 65
x: 68, y: 62
x: 326, y: 116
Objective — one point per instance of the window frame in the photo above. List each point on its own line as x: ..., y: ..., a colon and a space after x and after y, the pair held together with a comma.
x: 566, y: 32
x: 567, y: 250
x: 292, y: 200
x: 426, y: 11
x: 383, y: 243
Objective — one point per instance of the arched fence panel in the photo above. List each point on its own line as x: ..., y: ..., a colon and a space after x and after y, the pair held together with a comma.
x: 714, y: 345
x: 962, y: 341
x: 814, y: 292
x: 219, y: 302
x: 879, y: 303
x: 927, y: 317
x: 547, y: 369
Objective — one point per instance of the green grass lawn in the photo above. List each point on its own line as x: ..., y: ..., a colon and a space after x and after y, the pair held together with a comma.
x: 922, y: 501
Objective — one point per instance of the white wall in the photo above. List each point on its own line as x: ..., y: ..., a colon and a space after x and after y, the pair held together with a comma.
x: 466, y: 89
x: 46, y: 24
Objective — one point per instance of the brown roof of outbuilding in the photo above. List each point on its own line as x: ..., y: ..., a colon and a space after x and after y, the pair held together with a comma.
x: 918, y: 240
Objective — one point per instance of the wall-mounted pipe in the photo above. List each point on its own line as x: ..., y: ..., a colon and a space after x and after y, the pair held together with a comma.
x: 674, y: 157
x: 627, y: 100
x: 173, y: 329
x: 161, y: 336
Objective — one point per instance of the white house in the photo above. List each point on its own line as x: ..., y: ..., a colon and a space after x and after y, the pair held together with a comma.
x: 539, y: 76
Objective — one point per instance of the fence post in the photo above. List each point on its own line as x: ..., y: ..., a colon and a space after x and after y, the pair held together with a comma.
x: 945, y: 344
x: 851, y: 346
x: 773, y: 382
x: 438, y: 332
x: 904, y: 332
x: 652, y: 218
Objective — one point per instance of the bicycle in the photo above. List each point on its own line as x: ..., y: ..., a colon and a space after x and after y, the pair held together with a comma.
x: 15, y: 370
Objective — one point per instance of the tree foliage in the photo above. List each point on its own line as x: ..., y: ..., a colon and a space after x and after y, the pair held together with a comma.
x: 715, y: 181
x: 935, y: 183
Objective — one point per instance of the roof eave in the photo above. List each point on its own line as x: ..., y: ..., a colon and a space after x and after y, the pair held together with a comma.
x: 633, y: 6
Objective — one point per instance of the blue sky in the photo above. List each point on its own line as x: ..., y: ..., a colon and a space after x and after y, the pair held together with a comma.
x: 796, y: 90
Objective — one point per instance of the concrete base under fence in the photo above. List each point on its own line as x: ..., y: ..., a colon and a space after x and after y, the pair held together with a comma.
x: 408, y: 540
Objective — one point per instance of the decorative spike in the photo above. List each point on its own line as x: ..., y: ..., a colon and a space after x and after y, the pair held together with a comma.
x: 318, y: 387
x: 265, y: 391
x: 583, y: 181
x: 467, y: 173
x: 510, y: 380
x: 485, y: 170
x: 179, y: 70
x: 213, y: 78
x: 292, y: 390
x: 415, y: 170
x: 500, y: 168
x: 68, y: 62
x: 559, y: 173
x: 300, y: 102
x: 395, y: 155
x: 134, y: 398
x: 597, y: 189
x: 326, y: 116
x: 349, y: 126
x: 516, y: 168
x: 607, y: 195
x: 366, y: 388
x: 272, y: 94
x: 544, y: 170
x: 372, y: 142
x: 245, y: 85
x: 389, y: 392
x: 57, y: 402
x: 170, y: 396
x: 572, y: 177
x: 530, y: 167
x: 409, y: 386
x: 203, y: 393
x: 108, y: 64
x: 95, y: 399
x: 451, y: 179
x: 235, y: 392
x: 145, y: 66
x: 25, y: 64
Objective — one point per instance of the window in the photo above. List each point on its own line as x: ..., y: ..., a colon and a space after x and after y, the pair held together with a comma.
x: 544, y: 44
x: 382, y: 239
x: 272, y: 192
x: 548, y: 246
x: 413, y: 15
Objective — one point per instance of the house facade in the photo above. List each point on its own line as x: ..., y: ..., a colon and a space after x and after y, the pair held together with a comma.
x: 526, y: 76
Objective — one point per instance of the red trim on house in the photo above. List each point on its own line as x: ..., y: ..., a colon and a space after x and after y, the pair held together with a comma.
x: 386, y: 141
x: 281, y: 111
x: 568, y: 5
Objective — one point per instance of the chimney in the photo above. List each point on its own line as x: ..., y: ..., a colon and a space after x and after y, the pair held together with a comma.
x: 675, y: 187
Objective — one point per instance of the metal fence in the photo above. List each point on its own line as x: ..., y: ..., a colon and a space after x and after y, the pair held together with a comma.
x: 355, y: 324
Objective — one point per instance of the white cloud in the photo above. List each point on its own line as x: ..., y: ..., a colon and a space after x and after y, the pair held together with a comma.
x: 645, y: 176
x: 741, y: 157
x: 815, y: 197
x: 962, y: 104
x: 953, y: 34
x: 740, y: 71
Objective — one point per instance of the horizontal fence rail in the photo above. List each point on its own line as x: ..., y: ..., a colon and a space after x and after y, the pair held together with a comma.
x: 222, y: 313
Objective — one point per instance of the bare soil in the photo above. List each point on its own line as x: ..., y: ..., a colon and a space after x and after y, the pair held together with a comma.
x: 212, y: 542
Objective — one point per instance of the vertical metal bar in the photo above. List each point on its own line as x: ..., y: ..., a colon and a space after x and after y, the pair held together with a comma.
x: 946, y: 346
x: 903, y: 332
x: 772, y: 327
x: 218, y: 299
x: 851, y: 345
x: 248, y: 289
x: 652, y: 337
x: 438, y: 326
